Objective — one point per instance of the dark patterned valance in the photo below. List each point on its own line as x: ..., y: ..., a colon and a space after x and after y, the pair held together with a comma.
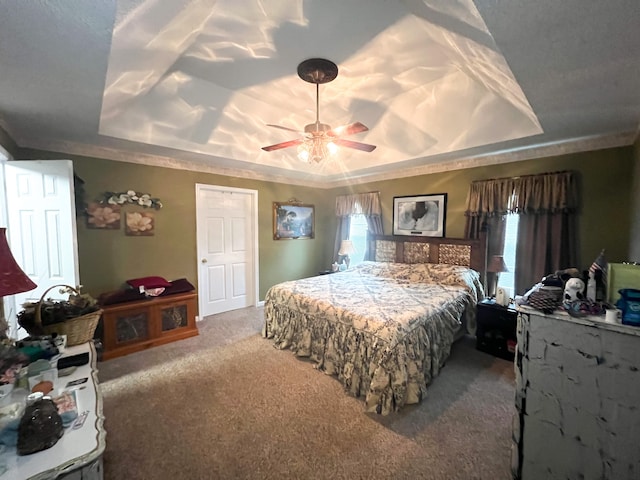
x: 530, y: 194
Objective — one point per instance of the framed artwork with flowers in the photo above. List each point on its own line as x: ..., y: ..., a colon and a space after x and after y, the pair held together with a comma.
x: 103, y: 216
x: 106, y: 212
x: 139, y: 224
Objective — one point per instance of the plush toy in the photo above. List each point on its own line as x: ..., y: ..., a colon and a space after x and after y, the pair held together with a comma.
x: 573, y: 290
x: 557, y: 279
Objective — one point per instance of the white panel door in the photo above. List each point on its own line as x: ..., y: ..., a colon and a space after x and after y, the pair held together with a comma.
x: 226, y: 248
x: 41, y: 225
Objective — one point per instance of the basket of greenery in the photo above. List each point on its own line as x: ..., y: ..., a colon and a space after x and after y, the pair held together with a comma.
x: 77, y: 317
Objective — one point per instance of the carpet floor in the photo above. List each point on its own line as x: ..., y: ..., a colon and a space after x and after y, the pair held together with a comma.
x: 228, y: 405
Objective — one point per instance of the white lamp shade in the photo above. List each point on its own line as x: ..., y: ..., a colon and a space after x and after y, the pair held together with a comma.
x: 346, y: 248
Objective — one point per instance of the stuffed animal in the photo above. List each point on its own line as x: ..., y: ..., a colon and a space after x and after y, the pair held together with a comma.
x: 557, y: 279
x: 573, y: 290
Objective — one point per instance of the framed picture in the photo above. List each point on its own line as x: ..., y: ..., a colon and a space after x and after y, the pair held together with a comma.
x: 293, y: 220
x: 421, y: 215
x: 140, y: 224
x: 103, y: 216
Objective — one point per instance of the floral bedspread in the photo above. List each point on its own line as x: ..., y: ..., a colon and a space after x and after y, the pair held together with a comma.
x: 384, y: 329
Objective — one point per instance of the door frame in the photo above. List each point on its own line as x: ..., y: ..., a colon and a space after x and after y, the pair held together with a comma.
x: 255, y: 266
x: 7, y: 304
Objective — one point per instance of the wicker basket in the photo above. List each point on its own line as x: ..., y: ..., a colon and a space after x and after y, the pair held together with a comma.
x: 546, y: 299
x: 78, y: 330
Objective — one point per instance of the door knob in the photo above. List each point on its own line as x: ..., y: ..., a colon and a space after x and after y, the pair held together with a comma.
x: 204, y: 260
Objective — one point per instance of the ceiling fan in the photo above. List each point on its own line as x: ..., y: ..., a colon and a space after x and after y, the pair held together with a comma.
x: 319, y: 139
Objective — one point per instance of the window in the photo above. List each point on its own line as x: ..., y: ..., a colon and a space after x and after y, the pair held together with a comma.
x: 507, y: 280
x: 358, y: 235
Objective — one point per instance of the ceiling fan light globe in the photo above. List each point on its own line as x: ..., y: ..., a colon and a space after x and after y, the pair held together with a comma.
x: 303, y: 153
x: 332, y: 148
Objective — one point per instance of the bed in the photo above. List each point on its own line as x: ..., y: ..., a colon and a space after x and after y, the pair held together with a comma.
x: 384, y: 328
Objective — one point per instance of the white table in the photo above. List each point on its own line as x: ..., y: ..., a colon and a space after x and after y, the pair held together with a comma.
x: 78, y: 454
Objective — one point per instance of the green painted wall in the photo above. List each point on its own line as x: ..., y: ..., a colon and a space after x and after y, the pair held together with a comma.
x: 605, y: 181
x: 634, y: 236
x: 107, y: 258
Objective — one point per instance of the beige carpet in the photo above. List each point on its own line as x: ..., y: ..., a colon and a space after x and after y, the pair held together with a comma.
x: 227, y: 405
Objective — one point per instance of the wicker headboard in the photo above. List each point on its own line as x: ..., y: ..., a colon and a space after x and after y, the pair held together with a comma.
x: 454, y: 251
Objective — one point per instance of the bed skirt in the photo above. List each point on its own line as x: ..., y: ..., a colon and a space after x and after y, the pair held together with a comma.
x: 388, y: 377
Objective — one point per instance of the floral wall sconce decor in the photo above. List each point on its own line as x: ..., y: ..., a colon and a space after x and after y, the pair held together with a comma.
x: 140, y: 224
x: 102, y: 216
x: 131, y: 197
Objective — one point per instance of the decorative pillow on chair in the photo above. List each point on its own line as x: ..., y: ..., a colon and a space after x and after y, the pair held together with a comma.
x: 149, y: 282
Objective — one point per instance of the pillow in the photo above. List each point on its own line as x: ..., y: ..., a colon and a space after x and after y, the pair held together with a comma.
x: 181, y: 285
x: 149, y: 282
x: 119, y: 296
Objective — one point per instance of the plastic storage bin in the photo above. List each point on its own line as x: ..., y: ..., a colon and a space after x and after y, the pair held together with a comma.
x: 629, y: 303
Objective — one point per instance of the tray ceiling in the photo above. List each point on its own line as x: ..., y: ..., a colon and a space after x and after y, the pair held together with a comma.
x: 441, y: 84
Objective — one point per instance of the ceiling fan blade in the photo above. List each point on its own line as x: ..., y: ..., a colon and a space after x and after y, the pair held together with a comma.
x: 278, y: 146
x: 350, y: 129
x: 283, y: 128
x: 365, y: 147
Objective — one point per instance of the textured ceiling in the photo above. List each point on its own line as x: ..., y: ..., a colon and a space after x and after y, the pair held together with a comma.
x: 441, y: 84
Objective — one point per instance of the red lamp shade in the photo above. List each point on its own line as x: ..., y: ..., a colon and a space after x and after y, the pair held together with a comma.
x: 12, y: 279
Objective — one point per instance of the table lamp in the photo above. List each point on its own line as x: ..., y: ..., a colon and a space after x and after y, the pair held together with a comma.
x: 346, y: 249
x: 496, y: 265
x: 12, y: 279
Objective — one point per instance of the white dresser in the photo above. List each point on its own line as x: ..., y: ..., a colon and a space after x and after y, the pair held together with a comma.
x: 577, y: 397
x: 78, y: 454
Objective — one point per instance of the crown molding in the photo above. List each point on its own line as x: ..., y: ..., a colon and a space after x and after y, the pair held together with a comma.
x: 542, y: 150
x: 120, y: 155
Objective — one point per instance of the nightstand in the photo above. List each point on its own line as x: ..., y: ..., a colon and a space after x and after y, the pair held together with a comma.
x: 496, y: 329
